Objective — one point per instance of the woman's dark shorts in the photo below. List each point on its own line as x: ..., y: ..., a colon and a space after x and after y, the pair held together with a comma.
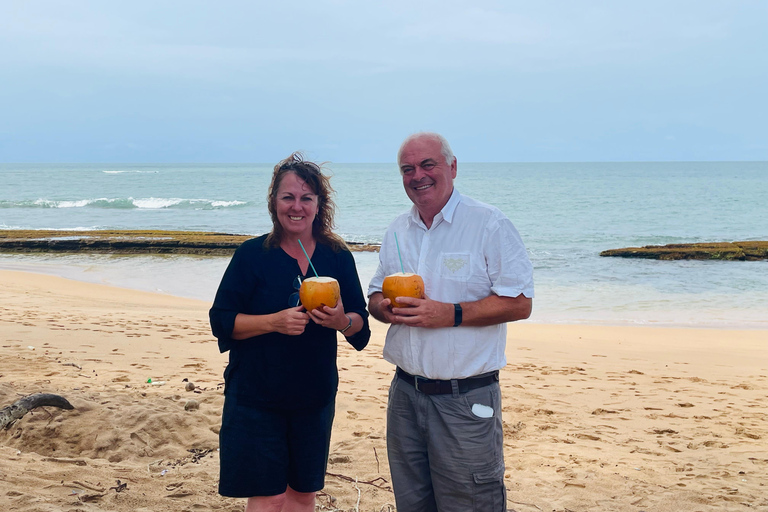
x: 264, y: 450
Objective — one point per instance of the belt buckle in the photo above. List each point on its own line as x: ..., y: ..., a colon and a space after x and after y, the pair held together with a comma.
x: 416, y: 382
x: 427, y: 386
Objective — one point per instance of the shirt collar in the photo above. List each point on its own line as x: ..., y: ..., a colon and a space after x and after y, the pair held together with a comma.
x: 445, y: 214
x: 450, y: 207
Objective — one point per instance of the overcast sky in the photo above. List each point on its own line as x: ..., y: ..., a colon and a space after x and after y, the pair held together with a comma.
x: 346, y: 81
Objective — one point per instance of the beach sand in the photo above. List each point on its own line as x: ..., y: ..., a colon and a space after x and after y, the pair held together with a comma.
x: 596, y: 418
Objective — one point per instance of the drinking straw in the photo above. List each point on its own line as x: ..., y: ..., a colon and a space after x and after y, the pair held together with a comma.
x: 402, y: 270
x: 309, y: 260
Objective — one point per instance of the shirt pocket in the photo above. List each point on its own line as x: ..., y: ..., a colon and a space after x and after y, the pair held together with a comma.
x: 455, y: 265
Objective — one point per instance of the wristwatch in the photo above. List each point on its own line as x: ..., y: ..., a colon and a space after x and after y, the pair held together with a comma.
x: 456, y: 315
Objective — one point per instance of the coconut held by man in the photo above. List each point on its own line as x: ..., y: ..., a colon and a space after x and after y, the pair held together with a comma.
x: 402, y: 284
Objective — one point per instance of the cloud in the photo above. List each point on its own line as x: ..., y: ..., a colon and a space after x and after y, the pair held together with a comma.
x: 348, y: 76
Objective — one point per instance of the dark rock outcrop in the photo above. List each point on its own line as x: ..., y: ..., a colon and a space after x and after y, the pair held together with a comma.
x: 734, y: 251
x: 129, y: 242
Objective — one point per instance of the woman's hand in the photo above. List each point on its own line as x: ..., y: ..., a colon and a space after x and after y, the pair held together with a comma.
x: 291, y: 321
x: 332, y: 318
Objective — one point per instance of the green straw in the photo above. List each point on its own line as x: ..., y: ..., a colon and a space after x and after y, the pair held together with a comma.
x: 309, y: 260
x: 402, y: 270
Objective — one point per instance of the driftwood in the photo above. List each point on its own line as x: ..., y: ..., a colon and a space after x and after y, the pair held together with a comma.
x: 14, y: 412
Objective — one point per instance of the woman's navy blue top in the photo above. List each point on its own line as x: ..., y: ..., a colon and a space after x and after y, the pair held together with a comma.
x: 277, y: 370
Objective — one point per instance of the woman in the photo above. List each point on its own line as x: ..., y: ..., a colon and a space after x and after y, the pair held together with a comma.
x: 281, y: 380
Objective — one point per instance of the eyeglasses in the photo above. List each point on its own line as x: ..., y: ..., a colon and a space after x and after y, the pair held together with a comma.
x: 293, y: 299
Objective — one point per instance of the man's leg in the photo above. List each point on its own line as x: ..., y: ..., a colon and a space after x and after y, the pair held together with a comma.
x: 407, y: 449
x: 466, y: 451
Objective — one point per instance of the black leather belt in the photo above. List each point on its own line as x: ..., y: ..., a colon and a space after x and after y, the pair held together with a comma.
x: 445, y: 387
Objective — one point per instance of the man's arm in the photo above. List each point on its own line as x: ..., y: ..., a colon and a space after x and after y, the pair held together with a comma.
x: 430, y: 313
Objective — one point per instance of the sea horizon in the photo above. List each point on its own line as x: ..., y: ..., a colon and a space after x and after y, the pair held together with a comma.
x: 325, y: 163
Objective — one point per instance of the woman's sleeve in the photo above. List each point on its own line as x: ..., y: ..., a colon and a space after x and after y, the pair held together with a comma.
x: 232, y: 297
x: 354, y: 300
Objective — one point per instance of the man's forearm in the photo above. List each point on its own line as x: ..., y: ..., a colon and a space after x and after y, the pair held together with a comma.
x: 496, y: 310
x: 433, y: 314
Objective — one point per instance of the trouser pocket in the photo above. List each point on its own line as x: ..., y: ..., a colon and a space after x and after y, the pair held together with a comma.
x: 489, y: 493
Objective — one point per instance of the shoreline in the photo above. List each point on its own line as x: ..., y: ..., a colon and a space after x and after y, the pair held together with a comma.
x: 197, y: 277
x: 614, y: 418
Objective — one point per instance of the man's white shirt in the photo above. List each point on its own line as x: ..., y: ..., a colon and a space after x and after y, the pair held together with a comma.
x: 472, y: 250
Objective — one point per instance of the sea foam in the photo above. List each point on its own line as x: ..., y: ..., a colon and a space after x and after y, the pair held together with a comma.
x: 149, y: 203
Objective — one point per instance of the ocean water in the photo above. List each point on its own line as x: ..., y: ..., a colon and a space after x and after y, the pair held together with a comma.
x: 566, y: 213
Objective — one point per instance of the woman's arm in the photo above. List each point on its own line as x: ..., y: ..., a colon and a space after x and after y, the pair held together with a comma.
x: 291, y: 321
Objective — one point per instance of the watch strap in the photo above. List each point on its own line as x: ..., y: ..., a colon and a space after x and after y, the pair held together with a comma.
x: 457, y: 313
x: 342, y: 331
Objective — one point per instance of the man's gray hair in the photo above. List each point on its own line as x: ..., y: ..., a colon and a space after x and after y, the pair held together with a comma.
x: 445, y: 148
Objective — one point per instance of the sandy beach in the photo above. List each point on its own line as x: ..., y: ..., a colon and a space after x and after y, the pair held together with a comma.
x: 596, y: 418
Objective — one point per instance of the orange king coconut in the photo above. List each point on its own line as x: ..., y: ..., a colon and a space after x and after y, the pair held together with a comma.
x: 319, y: 291
x: 402, y: 284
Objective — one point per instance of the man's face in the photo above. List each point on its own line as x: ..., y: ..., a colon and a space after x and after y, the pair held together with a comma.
x: 427, y: 178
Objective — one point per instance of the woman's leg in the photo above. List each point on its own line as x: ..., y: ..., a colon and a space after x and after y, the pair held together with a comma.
x: 266, y: 503
x: 299, y: 501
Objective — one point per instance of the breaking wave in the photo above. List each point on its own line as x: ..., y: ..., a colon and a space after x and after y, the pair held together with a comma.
x: 149, y: 203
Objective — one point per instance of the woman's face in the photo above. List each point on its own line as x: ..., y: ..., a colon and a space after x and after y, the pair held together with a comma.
x: 296, y: 206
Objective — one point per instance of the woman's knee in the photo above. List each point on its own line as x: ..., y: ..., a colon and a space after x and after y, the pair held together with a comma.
x: 302, y: 498
x: 266, y: 503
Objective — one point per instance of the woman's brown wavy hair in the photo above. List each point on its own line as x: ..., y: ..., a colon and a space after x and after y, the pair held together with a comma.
x: 311, y: 174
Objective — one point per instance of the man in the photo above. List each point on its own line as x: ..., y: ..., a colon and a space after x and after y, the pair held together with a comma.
x: 444, y: 429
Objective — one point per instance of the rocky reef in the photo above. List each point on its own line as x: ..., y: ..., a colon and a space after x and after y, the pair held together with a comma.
x: 731, y: 251
x: 130, y: 242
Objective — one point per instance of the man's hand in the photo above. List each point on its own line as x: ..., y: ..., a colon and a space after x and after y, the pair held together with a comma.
x: 380, y: 308
x: 423, y: 313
